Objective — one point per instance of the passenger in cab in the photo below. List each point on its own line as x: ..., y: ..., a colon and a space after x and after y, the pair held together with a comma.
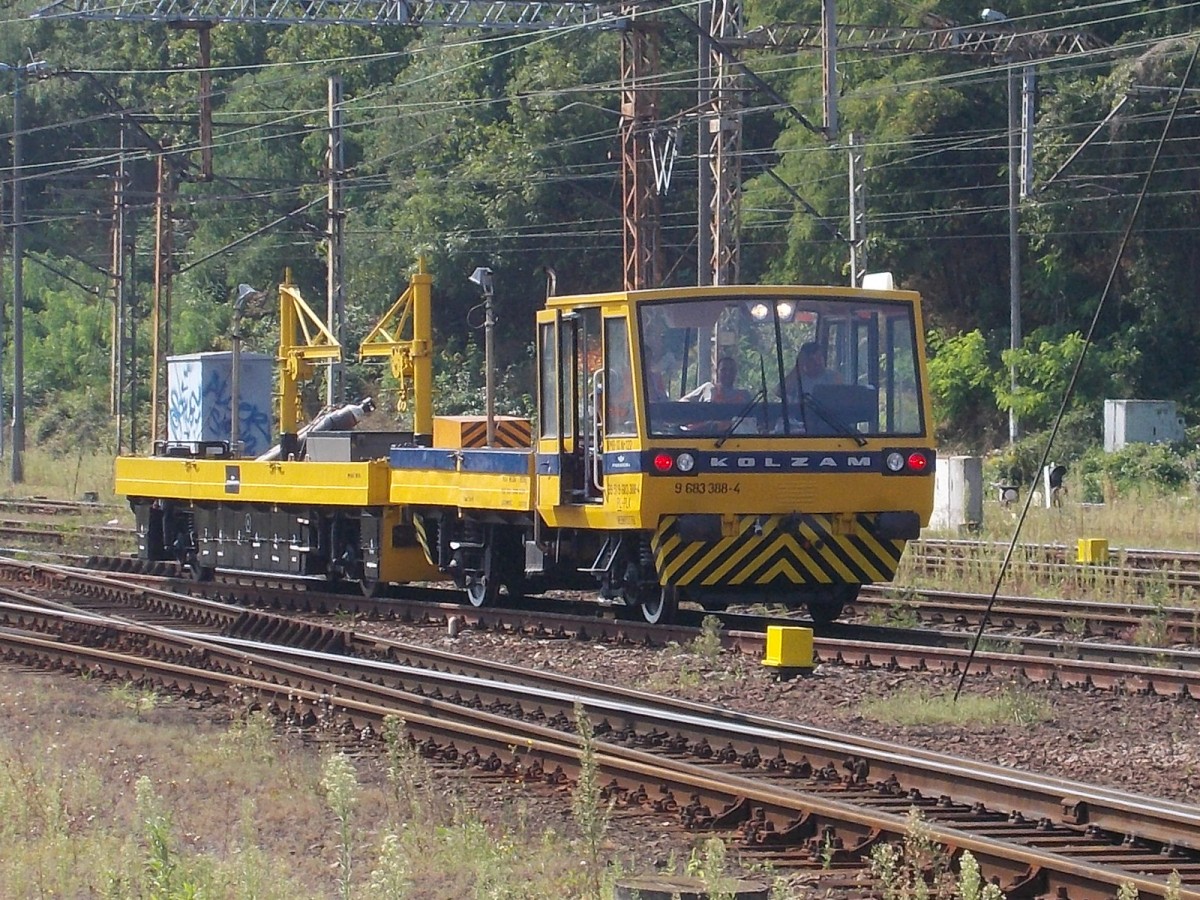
x: 734, y: 400
x: 723, y: 390
x: 656, y: 385
x: 808, y: 372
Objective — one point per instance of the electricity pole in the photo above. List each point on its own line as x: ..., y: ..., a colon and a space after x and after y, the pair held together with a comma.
x: 17, y: 472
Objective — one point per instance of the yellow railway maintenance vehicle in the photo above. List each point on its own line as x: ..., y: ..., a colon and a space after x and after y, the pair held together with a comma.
x: 718, y: 445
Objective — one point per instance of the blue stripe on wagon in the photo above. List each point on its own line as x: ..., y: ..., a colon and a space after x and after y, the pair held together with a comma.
x: 423, y: 458
x: 501, y: 462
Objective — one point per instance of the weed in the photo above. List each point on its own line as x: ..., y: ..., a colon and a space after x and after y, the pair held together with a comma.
x: 707, y: 644
x: 1074, y: 631
x: 664, y: 681
x: 708, y: 863
x: 828, y: 847
x: 902, y: 614
x: 971, y: 885
x: 407, y: 773
x: 1155, y: 629
x: 341, y: 792
x: 917, y: 868
x: 592, y: 814
x: 390, y: 877
x: 249, y: 739
x: 138, y: 699
x: 998, y: 645
x: 161, y: 865
x: 920, y: 707
x: 1023, y: 707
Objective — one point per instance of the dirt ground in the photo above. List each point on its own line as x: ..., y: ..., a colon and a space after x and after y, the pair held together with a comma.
x: 1137, y: 743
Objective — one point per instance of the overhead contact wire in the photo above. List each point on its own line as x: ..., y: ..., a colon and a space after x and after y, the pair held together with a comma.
x: 1087, y: 342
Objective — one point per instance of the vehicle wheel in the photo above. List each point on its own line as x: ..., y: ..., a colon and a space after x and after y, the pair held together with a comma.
x: 660, y: 607
x: 482, y: 585
x: 829, y: 607
x: 482, y: 590
x: 201, y: 573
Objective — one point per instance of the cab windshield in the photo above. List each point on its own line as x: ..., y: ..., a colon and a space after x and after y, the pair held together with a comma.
x: 780, y: 366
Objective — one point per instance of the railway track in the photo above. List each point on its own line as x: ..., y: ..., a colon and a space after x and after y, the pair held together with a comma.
x: 1117, y: 619
x: 1072, y: 619
x: 796, y: 796
x: 1124, y: 557
x: 1061, y: 659
x: 1130, y: 570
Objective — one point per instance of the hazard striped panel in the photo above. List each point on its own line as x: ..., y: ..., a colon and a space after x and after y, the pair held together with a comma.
x: 776, y: 550
x: 462, y: 432
x: 513, y: 433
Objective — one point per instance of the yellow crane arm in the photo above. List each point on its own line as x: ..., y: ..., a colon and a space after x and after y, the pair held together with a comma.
x: 410, y: 357
x: 303, y: 340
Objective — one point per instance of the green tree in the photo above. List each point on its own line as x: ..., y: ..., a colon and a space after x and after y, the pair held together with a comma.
x: 963, y: 375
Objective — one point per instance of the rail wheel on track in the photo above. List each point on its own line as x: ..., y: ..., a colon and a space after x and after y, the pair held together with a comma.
x: 829, y: 606
x: 659, y: 607
x: 480, y: 581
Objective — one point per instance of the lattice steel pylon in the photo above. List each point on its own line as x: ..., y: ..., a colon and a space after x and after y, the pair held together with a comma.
x: 639, y: 68
x: 725, y: 143
x: 641, y: 205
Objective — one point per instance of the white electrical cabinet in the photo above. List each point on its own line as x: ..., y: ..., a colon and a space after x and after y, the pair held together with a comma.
x: 1141, y: 422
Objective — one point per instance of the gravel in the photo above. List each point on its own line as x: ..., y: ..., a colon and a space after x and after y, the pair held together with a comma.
x: 1144, y: 744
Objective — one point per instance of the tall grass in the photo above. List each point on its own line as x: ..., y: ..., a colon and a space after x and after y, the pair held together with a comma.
x: 101, y: 797
x: 61, y: 476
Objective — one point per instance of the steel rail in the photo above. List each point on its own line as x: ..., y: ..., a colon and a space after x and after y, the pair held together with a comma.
x: 1108, y: 617
x: 430, y: 672
x: 1099, y: 669
x: 1030, y: 869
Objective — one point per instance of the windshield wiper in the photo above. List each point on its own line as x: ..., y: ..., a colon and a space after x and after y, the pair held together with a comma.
x: 741, y: 417
x: 840, y: 428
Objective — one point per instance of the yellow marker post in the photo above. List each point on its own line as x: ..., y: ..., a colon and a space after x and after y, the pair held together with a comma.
x: 1092, y: 552
x: 789, y: 650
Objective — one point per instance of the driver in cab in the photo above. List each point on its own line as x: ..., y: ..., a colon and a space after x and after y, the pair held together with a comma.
x: 724, y: 391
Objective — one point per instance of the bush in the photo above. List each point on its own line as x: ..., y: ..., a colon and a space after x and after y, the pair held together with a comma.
x: 1155, y: 468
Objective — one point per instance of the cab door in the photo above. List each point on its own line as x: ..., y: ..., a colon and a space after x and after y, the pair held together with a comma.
x: 571, y: 379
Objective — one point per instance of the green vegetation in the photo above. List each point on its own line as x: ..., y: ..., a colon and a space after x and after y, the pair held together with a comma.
x: 707, y: 644
x: 897, y: 614
x: 592, y: 812
x: 1015, y: 706
x: 102, y: 799
x: 919, y: 868
x: 503, y: 151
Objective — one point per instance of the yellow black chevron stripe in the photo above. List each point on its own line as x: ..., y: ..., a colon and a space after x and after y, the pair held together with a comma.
x: 776, y: 550
x: 513, y: 433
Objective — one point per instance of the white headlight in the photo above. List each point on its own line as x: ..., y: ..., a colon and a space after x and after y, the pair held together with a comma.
x: 895, y: 461
x: 760, y: 311
x: 785, y: 308
x: 685, y: 462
